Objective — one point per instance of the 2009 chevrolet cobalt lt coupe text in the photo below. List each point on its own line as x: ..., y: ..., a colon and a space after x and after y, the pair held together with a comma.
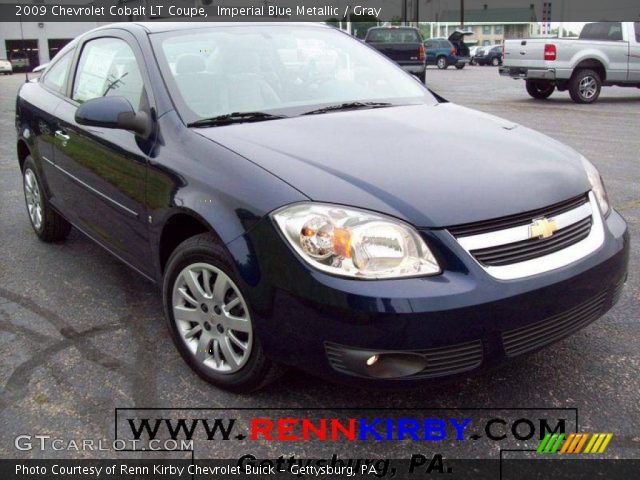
x: 295, y: 194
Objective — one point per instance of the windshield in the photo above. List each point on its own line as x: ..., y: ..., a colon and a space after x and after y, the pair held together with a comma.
x: 283, y: 70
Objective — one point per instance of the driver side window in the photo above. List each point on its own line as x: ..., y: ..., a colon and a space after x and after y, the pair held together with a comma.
x: 108, y: 66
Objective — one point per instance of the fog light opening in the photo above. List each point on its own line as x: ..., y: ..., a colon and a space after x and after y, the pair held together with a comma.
x: 372, y: 360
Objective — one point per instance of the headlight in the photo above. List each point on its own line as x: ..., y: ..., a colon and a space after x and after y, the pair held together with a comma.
x: 355, y: 243
x: 597, y: 186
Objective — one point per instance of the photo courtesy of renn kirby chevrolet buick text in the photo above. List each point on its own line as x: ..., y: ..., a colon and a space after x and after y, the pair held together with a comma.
x: 296, y: 196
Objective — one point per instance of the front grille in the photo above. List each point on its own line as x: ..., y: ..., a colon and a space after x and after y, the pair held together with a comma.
x: 440, y: 362
x: 533, y: 247
x: 516, y: 220
x: 536, y: 335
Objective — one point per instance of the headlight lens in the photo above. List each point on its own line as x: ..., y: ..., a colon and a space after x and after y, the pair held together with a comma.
x: 355, y: 243
x: 597, y: 186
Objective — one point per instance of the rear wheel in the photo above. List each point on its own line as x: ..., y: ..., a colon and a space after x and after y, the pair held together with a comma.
x: 46, y: 222
x: 460, y: 67
x: 585, y: 86
x: 422, y: 76
x: 540, y: 89
x: 210, y: 319
x: 442, y: 63
x: 495, y: 62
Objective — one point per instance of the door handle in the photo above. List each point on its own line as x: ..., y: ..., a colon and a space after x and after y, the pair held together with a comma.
x: 60, y: 135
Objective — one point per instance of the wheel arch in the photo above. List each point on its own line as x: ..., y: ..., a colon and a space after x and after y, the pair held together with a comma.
x: 23, y: 152
x: 179, y: 226
x: 594, y: 64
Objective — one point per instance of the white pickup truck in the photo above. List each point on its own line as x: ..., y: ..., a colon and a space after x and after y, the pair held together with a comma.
x: 606, y: 53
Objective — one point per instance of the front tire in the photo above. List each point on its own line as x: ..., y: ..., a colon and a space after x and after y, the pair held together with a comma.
x: 585, y: 86
x: 442, y: 63
x: 539, y: 89
x: 48, y: 224
x: 210, y: 320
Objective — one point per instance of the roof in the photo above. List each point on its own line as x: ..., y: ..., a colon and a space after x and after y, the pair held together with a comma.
x: 491, y: 15
x: 158, y: 27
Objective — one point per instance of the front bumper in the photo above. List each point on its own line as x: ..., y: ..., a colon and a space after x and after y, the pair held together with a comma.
x: 460, y: 321
x: 528, y: 73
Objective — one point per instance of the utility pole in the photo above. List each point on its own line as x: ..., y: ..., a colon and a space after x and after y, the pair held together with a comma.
x: 461, y: 14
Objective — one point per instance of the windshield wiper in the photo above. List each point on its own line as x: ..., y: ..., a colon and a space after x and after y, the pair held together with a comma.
x: 235, y: 117
x: 348, y: 106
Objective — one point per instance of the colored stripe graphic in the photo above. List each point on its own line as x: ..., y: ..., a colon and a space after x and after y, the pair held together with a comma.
x: 574, y: 443
x: 598, y: 443
x: 550, y: 443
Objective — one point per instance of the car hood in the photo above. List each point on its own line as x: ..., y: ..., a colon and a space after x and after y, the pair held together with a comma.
x: 433, y: 166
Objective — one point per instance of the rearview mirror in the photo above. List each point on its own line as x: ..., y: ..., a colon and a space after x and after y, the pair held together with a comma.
x: 113, y: 112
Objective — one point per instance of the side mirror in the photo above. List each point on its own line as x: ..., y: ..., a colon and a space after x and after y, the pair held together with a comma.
x: 113, y: 112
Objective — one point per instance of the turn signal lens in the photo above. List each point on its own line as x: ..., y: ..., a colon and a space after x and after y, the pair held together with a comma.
x: 355, y: 243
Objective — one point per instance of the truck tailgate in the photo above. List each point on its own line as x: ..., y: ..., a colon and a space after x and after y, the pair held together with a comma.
x: 399, y: 52
x: 524, y: 53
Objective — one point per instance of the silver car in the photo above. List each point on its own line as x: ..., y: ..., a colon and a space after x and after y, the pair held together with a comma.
x: 605, y: 54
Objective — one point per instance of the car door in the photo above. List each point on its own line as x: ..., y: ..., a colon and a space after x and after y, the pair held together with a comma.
x: 105, y: 169
x: 430, y: 51
x: 634, y: 53
x: 43, y: 121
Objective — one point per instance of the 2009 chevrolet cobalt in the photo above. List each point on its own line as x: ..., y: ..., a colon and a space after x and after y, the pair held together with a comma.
x: 295, y: 194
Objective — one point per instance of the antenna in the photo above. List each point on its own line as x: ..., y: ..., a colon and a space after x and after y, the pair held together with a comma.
x: 24, y: 52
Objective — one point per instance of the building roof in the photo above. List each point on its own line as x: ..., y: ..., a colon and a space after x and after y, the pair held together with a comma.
x: 491, y: 15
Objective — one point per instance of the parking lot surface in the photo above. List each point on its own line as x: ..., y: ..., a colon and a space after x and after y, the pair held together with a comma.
x: 81, y: 334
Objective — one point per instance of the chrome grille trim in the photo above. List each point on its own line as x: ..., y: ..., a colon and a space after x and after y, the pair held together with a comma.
x: 543, y: 263
x: 518, y: 234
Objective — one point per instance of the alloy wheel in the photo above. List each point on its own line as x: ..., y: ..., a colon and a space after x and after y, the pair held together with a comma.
x: 588, y: 87
x: 33, y: 198
x: 212, y: 318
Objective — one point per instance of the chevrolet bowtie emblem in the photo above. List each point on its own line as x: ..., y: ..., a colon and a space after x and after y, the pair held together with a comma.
x: 542, y: 228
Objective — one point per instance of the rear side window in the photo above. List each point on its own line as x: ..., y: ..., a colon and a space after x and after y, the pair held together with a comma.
x: 107, y: 67
x: 393, y: 35
x: 56, y: 76
x: 430, y: 44
x: 611, y: 31
x: 637, y: 26
x: 445, y: 44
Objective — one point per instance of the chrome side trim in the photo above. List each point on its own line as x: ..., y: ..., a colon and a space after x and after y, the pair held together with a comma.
x: 555, y: 260
x: 520, y: 233
x: 90, y: 188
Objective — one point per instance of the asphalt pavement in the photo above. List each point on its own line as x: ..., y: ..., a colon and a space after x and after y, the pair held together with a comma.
x: 81, y: 334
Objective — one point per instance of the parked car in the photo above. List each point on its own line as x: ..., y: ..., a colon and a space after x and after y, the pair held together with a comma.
x: 403, y: 45
x: 292, y: 218
x: 489, y: 56
x: 605, y: 54
x: 5, y: 67
x: 443, y: 52
x: 19, y: 61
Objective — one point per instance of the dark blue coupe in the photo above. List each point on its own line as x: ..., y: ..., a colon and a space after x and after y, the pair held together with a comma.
x: 295, y: 195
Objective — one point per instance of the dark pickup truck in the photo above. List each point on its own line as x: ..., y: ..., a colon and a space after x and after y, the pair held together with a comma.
x: 403, y: 45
